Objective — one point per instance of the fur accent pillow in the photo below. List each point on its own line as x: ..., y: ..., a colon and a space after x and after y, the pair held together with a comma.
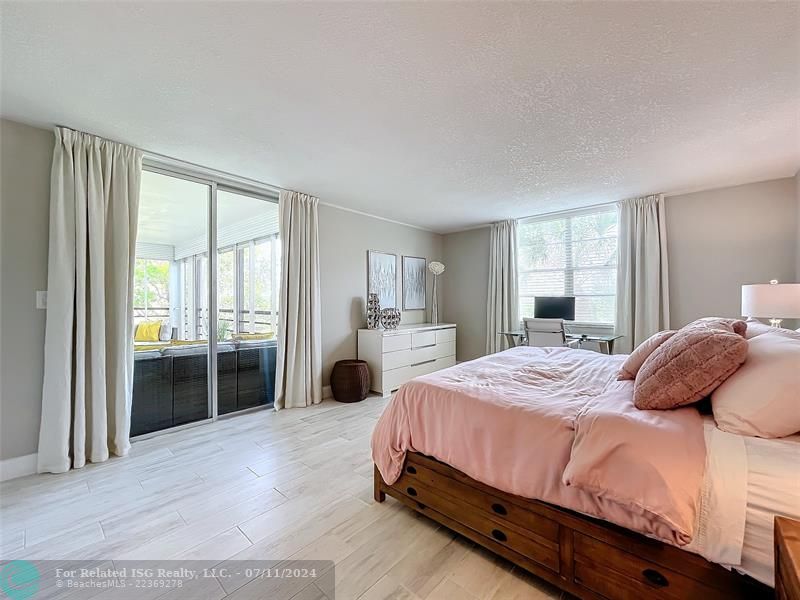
x: 636, y: 358
x: 762, y: 398
x: 691, y: 364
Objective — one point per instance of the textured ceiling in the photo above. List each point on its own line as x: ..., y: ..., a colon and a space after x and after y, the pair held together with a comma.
x: 442, y: 115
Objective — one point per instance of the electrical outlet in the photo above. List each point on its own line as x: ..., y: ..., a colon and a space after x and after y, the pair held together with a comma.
x: 41, y: 300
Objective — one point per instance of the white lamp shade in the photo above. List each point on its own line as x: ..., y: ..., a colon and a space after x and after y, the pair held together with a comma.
x: 771, y: 300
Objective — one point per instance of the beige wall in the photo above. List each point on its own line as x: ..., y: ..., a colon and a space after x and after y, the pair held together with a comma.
x: 797, y: 232
x: 719, y: 239
x: 344, y: 238
x: 25, y: 157
x: 466, y: 281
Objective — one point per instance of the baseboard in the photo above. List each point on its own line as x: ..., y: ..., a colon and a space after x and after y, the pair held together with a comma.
x: 11, y: 468
x: 326, y: 392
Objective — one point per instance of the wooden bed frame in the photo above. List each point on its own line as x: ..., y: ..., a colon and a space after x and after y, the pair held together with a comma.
x: 586, y: 557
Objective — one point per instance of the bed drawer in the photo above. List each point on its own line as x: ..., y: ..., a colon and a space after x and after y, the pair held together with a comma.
x: 498, y: 509
x: 479, y: 521
x: 614, y: 573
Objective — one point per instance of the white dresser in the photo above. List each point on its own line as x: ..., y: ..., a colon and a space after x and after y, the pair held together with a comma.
x: 398, y: 355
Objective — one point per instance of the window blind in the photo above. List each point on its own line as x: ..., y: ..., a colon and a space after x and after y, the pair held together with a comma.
x: 572, y: 254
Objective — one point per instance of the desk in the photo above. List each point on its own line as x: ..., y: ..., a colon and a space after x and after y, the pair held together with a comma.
x: 514, y: 338
x: 605, y: 342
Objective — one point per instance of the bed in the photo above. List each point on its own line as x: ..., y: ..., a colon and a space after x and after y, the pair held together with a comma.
x: 538, y: 455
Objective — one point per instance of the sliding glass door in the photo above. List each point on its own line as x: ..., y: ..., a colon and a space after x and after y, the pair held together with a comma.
x: 205, y: 300
x: 247, y: 252
x: 171, y: 317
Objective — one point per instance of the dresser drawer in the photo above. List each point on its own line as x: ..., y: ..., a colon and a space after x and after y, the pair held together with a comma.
x: 612, y: 572
x: 445, y: 349
x: 423, y: 338
x: 446, y: 335
x: 395, y: 360
x: 392, y: 343
x: 395, y: 378
x: 424, y: 354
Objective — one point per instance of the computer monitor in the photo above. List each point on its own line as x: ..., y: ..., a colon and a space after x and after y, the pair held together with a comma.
x: 554, y: 307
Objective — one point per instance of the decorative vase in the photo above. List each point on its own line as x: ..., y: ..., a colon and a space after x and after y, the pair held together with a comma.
x: 373, y: 311
x: 390, y: 318
x: 437, y: 269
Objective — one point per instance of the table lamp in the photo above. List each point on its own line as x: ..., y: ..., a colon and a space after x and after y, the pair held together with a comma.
x: 772, y: 300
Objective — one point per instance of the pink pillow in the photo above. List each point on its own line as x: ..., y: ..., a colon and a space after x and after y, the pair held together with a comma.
x: 755, y: 328
x: 763, y: 397
x: 737, y: 325
x: 636, y: 359
x: 691, y: 364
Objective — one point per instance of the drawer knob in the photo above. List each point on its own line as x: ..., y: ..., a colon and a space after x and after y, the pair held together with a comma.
x: 499, y: 509
x: 411, y: 491
x: 499, y: 535
x: 655, y: 578
x: 421, y: 506
x: 411, y: 470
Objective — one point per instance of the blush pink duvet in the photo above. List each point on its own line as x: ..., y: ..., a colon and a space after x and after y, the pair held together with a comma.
x: 553, y: 424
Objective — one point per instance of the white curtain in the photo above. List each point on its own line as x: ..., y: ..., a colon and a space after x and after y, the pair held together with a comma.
x: 299, y: 361
x: 88, y: 353
x: 502, y: 306
x: 642, y: 273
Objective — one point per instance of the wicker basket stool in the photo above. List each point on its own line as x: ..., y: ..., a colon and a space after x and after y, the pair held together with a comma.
x: 350, y: 380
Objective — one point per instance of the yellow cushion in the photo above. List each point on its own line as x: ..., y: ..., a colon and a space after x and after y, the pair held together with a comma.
x: 149, y: 347
x: 148, y: 331
x: 245, y: 337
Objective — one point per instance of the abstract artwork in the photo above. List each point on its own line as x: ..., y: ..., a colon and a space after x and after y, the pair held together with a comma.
x: 382, y: 277
x: 413, y: 283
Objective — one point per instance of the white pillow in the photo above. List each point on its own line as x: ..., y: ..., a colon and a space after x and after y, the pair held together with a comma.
x: 762, y: 398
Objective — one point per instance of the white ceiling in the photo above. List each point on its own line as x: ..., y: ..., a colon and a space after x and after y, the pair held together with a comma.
x: 444, y: 115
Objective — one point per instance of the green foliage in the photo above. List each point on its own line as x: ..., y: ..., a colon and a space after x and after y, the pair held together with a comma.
x: 151, y: 283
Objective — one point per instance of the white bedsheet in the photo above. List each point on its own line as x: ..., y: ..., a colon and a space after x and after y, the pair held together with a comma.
x: 748, y: 481
x: 773, y: 488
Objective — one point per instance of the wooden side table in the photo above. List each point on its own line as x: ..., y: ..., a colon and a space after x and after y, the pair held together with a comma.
x: 787, y: 559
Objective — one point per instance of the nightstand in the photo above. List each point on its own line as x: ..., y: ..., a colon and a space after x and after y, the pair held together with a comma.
x: 787, y: 559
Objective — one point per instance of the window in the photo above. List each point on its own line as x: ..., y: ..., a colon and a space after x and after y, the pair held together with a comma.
x: 573, y: 254
x: 247, y: 287
x: 150, y: 290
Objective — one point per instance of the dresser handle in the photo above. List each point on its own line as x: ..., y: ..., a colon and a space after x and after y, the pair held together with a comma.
x: 499, y: 509
x: 411, y: 470
x: 655, y: 578
x: 499, y: 535
x: 427, y: 346
x: 424, y: 362
x: 411, y: 491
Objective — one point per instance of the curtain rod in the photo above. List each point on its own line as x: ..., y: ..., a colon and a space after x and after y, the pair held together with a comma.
x: 157, y: 159
x: 557, y: 213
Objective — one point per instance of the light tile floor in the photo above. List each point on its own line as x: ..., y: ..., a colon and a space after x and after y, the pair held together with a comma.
x: 295, y: 484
